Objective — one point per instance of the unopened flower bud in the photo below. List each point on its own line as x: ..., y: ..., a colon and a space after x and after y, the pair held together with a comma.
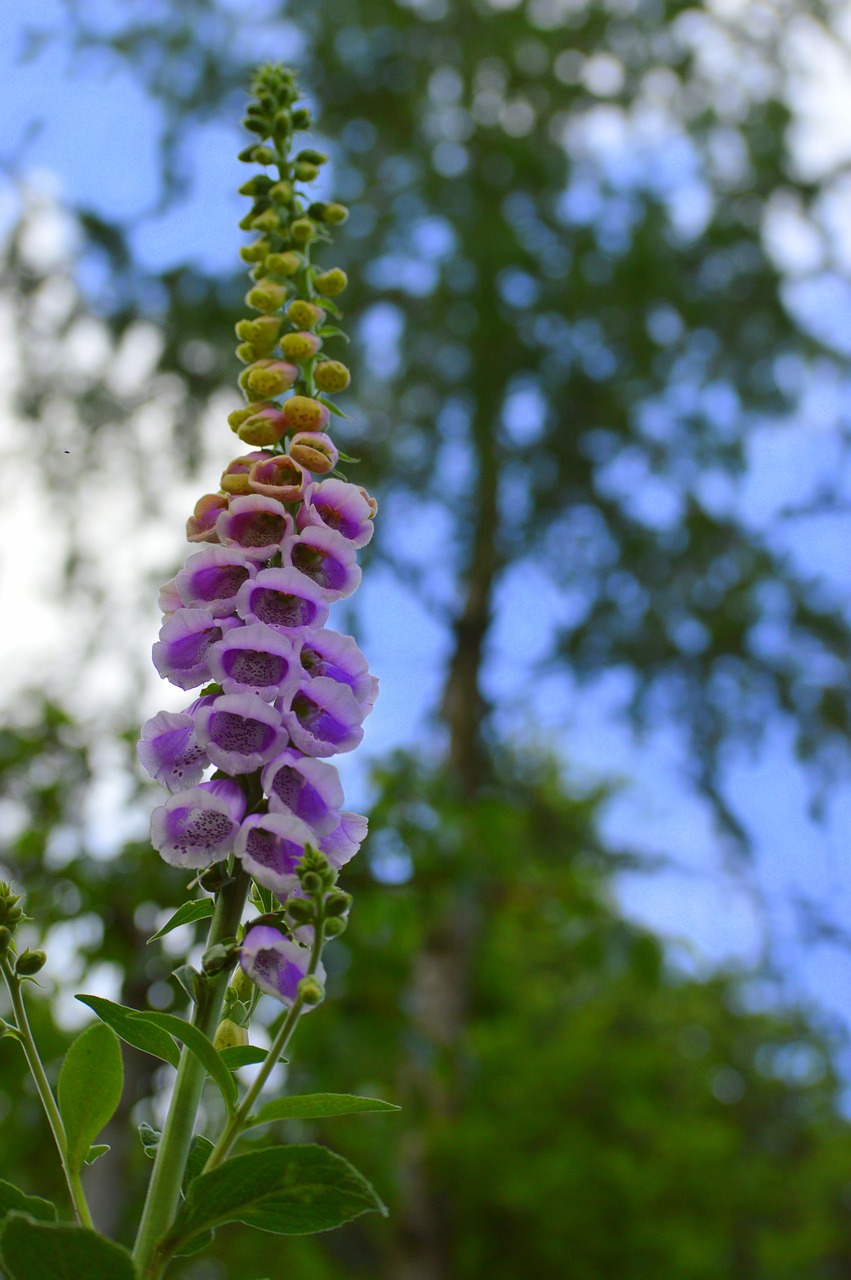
x: 267, y: 298
x: 229, y: 1035
x: 246, y: 352
x: 256, y: 186
x: 247, y: 223
x: 29, y: 963
x: 237, y: 416
x: 281, y: 192
x: 219, y: 957
x: 263, y: 155
x: 332, y: 282
x: 11, y: 912
x: 332, y: 376
x: 241, y: 986
x: 284, y: 264
x: 244, y: 330
x: 302, y: 230
x: 305, y: 414
x: 255, y: 252
x: 268, y: 220
x: 315, y: 451
x: 264, y: 428
x: 268, y: 378
x: 215, y: 877
x: 283, y: 120
x: 246, y: 155
x: 311, y: 156
x: 201, y: 525
x: 311, y: 991
x: 334, y: 927
x: 334, y: 213
x: 5, y: 939
x: 305, y: 315
x: 310, y: 881
x: 337, y: 903
x: 301, y: 345
x: 265, y: 335
x: 305, y: 172
x: 301, y: 118
x: 301, y: 911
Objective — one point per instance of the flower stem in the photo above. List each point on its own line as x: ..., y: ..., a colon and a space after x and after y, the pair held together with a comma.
x: 42, y: 1084
x: 236, y: 1123
x: 173, y: 1148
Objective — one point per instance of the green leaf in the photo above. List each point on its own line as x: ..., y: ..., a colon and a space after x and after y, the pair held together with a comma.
x: 11, y: 1198
x: 200, y: 909
x: 244, y: 1055
x: 188, y: 979
x: 329, y: 305
x: 122, y: 1020
x: 294, y: 1190
x: 89, y: 1089
x: 199, y: 1153
x: 196, y: 1042
x: 47, y: 1251
x: 95, y: 1152
x: 7, y: 1030
x: 331, y: 331
x: 150, y: 1139
x: 316, y: 1106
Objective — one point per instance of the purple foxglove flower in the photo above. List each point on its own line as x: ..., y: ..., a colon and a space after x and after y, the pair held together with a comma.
x: 180, y: 654
x: 279, y: 477
x: 240, y: 732
x: 341, y: 844
x: 198, y: 826
x: 235, y: 475
x: 327, y: 653
x: 201, y: 525
x: 255, y: 659
x: 336, y: 504
x: 275, y: 964
x: 324, y: 718
x: 169, y: 598
x: 326, y: 558
x: 315, y: 451
x: 270, y: 846
x: 211, y: 578
x: 282, y: 598
x: 309, y: 788
x: 256, y: 525
x: 169, y: 750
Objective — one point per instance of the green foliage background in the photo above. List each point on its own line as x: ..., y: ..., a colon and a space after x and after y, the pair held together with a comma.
x: 573, y: 1104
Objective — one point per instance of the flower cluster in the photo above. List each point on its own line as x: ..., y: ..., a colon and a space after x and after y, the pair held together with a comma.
x: 246, y: 617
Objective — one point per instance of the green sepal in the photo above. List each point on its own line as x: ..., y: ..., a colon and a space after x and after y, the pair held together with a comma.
x: 188, y: 913
x: 52, y: 1251
x: 149, y: 1039
x: 89, y: 1089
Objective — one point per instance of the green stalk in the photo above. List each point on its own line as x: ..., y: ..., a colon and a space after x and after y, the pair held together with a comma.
x: 42, y: 1084
x: 164, y: 1188
x: 236, y: 1123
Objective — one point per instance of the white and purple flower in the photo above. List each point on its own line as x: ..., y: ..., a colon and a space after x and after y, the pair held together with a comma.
x: 275, y: 964
x: 199, y: 826
x: 270, y: 846
x: 240, y: 732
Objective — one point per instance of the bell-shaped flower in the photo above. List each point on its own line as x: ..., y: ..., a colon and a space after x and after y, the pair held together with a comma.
x: 256, y: 525
x: 309, y: 788
x: 276, y: 965
x: 235, y: 475
x: 337, y: 504
x: 324, y: 556
x: 341, y: 844
x: 169, y: 750
x: 201, y: 525
x: 282, y: 598
x: 181, y: 653
x: 270, y: 847
x: 198, y: 826
x: 327, y: 653
x: 211, y: 578
x: 255, y: 659
x: 240, y: 732
x: 324, y: 718
x: 315, y: 451
x: 279, y: 477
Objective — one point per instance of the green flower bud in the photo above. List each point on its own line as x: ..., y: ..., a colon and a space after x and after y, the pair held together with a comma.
x: 305, y: 172
x: 244, y: 330
x: 263, y: 155
x: 247, y: 154
x: 284, y: 264
x: 302, y: 230
x: 215, y: 877
x: 332, y: 376
x: 235, y: 420
x: 338, y: 903
x: 334, y: 927
x: 267, y: 298
x: 301, y: 911
x: 281, y: 192
x: 219, y: 957
x: 254, y: 252
x: 301, y: 118
x: 305, y: 315
x: 258, y: 185
x: 11, y: 913
x: 246, y: 223
x: 266, y: 330
x: 311, y: 881
x: 332, y: 282
x: 242, y: 986
x: 335, y: 213
x: 310, y: 156
x: 310, y: 990
x: 229, y: 1035
x: 283, y: 121
x: 29, y: 963
x: 300, y: 346
x: 5, y: 939
x: 246, y: 352
x: 256, y: 124
x: 268, y: 220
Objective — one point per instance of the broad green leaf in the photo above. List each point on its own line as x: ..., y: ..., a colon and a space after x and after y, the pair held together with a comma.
x: 196, y: 1042
x: 316, y: 1106
x: 294, y: 1190
x: 48, y: 1251
x: 199, y: 1153
x: 11, y: 1198
x: 121, y: 1019
x: 244, y: 1055
x: 95, y: 1152
x: 89, y: 1089
x: 200, y: 909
